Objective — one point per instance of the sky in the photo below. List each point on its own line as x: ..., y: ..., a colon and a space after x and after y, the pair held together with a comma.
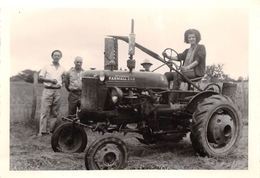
x: 36, y: 32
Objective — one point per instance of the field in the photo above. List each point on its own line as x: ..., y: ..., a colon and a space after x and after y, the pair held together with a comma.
x: 29, y: 152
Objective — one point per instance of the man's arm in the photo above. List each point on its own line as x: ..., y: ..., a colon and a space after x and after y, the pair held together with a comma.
x: 63, y: 76
x: 43, y: 79
x: 67, y: 81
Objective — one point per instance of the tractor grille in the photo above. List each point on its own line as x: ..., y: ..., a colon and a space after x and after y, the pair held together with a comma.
x: 121, y: 84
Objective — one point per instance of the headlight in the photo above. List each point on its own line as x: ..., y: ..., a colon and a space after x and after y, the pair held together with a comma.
x: 114, y: 99
x: 102, y: 76
x: 116, y: 95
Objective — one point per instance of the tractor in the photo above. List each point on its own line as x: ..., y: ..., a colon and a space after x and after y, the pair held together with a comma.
x: 143, y: 102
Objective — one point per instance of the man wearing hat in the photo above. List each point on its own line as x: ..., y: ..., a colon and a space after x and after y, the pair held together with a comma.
x: 146, y: 65
x: 52, y: 76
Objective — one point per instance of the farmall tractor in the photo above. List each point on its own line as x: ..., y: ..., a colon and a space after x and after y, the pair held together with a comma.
x: 116, y: 100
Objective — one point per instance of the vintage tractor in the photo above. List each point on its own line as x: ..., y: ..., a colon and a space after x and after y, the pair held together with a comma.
x: 142, y: 102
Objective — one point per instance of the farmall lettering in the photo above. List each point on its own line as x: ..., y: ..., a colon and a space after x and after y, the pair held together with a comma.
x: 122, y: 78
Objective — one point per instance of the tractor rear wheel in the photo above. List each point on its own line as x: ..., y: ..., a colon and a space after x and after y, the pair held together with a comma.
x: 106, y: 153
x: 69, y: 140
x: 191, y: 139
x: 216, y: 127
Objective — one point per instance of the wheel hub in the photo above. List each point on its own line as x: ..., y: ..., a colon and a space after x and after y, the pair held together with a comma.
x: 220, y: 129
x: 108, y: 157
x: 69, y: 141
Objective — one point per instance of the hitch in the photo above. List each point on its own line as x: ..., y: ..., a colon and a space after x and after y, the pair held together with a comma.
x: 76, y: 120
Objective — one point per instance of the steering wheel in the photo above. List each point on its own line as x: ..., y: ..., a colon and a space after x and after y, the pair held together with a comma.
x: 170, y: 61
x: 177, y: 68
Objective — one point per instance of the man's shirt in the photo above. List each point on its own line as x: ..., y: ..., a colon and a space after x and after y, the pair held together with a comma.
x: 50, y: 71
x: 74, y: 79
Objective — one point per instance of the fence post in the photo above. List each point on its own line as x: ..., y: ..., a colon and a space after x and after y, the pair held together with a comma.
x: 243, y: 95
x: 34, y: 102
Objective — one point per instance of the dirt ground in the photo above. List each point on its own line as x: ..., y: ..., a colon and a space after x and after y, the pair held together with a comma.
x: 29, y: 152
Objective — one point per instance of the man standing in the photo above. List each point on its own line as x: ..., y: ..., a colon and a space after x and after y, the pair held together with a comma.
x: 52, y: 75
x: 73, y: 85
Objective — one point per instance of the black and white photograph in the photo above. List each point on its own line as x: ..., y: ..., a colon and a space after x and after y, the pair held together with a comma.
x: 157, y: 89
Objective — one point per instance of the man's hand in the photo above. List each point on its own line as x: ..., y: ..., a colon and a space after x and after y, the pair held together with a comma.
x: 54, y: 81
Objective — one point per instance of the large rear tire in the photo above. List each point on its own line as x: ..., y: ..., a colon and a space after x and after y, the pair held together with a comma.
x: 107, y: 153
x: 216, y: 127
x: 63, y: 140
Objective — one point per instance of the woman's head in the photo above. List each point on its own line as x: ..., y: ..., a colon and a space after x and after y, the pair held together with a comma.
x: 192, y: 31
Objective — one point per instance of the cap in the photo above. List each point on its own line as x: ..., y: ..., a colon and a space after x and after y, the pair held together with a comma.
x: 146, y: 61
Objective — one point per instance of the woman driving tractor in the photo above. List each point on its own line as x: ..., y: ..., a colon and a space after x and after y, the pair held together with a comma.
x: 193, y: 59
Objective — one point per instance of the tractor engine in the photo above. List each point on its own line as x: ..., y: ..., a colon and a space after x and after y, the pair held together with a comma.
x: 119, y: 96
x: 135, y: 106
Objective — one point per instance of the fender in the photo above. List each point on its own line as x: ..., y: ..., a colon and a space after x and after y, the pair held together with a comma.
x: 198, y: 98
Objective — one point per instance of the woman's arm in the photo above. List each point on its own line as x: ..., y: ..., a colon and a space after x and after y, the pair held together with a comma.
x: 200, y: 55
x: 169, y: 57
x: 192, y: 65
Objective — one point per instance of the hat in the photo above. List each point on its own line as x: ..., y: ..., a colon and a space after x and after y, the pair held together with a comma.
x: 146, y: 61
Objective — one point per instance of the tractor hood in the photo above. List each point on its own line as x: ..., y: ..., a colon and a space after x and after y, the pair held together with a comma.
x: 125, y: 79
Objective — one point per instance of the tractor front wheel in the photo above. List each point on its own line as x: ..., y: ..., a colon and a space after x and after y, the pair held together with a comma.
x: 107, y: 153
x: 216, y: 127
x: 69, y: 139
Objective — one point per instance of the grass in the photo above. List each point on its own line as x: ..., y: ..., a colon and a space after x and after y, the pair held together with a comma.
x: 21, y: 101
x: 29, y: 152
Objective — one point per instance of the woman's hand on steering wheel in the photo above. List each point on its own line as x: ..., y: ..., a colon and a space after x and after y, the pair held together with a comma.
x: 170, y: 61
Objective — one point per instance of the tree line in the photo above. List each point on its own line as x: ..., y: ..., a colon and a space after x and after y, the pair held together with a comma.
x: 214, y: 73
